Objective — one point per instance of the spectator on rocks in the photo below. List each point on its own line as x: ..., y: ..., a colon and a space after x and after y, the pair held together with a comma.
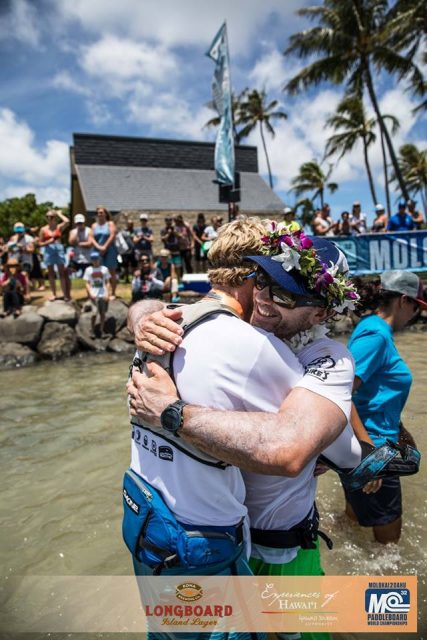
x: 97, y: 279
x: 143, y: 238
x: 15, y: 288
x: 186, y: 241
x: 380, y: 223
x: 21, y: 247
x: 198, y: 231
x: 128, y: 258
x: 167, y: 269
x: 323, y: 224
x: 104, y: 233
x: 417, y: 216
x: 401, y: 221
x: 170, y: 239
x: 54, y: 254
x: 80, y: 238
x: 343, y: 227
x: 358, y: 220
x: 147, y: 281
x: 211, y: 232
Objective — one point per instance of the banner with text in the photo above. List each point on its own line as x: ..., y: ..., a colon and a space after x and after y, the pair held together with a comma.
x: 379, y: 252
x: 111, y: 604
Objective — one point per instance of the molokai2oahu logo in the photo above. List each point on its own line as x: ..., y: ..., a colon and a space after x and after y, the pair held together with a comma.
x: 387, y: 603
x: 188, y: 592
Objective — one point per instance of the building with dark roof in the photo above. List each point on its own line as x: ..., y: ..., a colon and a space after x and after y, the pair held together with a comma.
x: 159, y: 176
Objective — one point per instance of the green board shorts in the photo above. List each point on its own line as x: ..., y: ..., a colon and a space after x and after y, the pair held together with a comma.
x: 306, y: 563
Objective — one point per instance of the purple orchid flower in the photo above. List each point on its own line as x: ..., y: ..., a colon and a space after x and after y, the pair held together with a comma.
x: 305, y: 242
x: 323, y: 281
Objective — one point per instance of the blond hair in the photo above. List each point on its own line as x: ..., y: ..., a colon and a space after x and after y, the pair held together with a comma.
x: 235, y: 240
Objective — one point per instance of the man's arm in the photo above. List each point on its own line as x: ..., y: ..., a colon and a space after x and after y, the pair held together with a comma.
x: 270, y: 443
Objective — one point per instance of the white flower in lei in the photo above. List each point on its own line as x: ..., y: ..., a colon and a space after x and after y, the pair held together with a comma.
x: 289, y: 258
x: 303, y: 338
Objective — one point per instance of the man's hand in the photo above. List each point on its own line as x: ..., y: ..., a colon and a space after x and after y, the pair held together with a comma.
x: 159, y: 332
x: 373, y: 486
x: 149, y: 396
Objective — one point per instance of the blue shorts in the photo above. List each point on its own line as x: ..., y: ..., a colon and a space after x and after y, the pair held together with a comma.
x: 375, y: 509
x: 54, y: 254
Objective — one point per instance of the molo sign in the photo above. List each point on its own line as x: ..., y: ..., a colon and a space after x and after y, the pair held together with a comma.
x: 374, y: 253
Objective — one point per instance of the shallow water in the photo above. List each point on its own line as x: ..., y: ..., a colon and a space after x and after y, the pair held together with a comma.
x: 65, y: 443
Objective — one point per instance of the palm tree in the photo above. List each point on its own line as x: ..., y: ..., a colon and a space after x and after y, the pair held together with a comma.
x: 215, y: 121
x: 353, y: 38
x: 352, y: 124
x: 312, y: 178
x: 254, y: 110
x: 413, y: 165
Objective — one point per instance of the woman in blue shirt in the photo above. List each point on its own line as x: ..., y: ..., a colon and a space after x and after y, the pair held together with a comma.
x: 381, y: 388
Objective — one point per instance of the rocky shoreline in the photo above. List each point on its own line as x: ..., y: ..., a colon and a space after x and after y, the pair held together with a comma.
x: 60, y: 329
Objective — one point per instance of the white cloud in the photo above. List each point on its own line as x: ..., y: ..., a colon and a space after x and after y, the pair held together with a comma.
x: 64, y: 80
x: 22, y: 164
x: 60, y: 196
x: 20, y: 23
x: 271, y: 71
x: 113, y: 58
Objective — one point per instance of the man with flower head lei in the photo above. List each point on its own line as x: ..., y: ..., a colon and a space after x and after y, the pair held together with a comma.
x: 299, y: 283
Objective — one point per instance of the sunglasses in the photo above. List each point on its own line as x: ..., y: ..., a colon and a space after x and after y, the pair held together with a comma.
x: 280, y: 296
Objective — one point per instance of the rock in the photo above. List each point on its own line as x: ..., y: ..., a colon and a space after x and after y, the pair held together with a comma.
x: 126, y: 335
x: 116, y: 316
x: 120, y: 346
x: 59, y: 311
x: 25, y: 329
x: 84, y: 330
x: 58, y: 341
x: 13, y: 354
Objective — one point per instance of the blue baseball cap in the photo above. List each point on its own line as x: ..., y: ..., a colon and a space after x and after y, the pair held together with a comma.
x: 292, y: 280
x: 95, y: 255
x: 19, y: 227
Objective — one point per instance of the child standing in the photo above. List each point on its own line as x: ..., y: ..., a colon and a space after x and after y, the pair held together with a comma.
x: 98, y: 289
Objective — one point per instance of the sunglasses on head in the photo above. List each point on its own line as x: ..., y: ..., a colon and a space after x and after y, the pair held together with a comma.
x: 282, y: 297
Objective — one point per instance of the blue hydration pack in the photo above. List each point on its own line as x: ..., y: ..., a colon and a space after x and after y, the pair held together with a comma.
x: 156, y: 538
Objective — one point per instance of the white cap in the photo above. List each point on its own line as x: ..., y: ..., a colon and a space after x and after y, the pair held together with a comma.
x: 287, y: 210
x: 356, y: 203
x: 79, y: 217
x: 143, y: 216
x: 379, y: 207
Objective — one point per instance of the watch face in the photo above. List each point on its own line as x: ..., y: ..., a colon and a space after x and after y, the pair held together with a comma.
x: 171, y: 418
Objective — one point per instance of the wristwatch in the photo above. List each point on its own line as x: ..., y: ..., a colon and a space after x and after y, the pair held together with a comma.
x: 172, y: 417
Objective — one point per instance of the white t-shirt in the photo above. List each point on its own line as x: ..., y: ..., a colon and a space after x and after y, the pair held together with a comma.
x: 360, y: 222
x: 277, y: 502
x: 97, y: 277
x: 17, y: 249
x: 223, y: 363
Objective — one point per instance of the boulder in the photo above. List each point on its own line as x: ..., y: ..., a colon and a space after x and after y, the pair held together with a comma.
x: 13, y: 354
x: 59, y: 311
x: 58, y: 340
x: 126, y: 335
x: 84, y: 331
x: 116, y: 316
x: 120, y: 346
x: 25, y: 329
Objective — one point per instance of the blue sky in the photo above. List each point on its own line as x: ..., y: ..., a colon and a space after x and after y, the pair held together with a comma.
x: 137, y: 67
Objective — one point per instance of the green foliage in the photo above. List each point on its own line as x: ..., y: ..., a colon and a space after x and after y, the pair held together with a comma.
x: 24, y: 210
x: 312, y: 178
x: 413, y: 165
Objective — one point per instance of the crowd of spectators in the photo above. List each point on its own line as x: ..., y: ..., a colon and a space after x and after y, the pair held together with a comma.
x: 102, y: 254
x: 407, y: 218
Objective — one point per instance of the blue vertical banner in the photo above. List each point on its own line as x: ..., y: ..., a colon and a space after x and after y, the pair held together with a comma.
x: 221, y: 92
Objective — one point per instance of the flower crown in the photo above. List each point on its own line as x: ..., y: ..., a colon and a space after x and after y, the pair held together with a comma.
x: 288, y: 244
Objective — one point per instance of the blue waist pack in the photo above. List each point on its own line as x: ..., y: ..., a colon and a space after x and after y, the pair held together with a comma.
x: 156, y: 538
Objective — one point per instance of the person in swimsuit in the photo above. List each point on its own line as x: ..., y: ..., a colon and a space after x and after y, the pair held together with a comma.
x: 380, y: 223
x: 104, y: 232
x: 54, y: 254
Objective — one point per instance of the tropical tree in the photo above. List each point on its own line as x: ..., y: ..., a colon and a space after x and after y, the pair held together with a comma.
x: 413, y: 165
x: 312, y: 178
x: 254, y: 110
x: 354, y: 38
x: 24, y: 209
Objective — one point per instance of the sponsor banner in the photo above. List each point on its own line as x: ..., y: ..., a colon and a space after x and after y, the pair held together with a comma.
x: 377, y: 252
x: 114, y: 604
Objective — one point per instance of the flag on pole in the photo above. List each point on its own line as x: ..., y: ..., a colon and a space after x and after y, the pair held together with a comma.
x: 221, y: 91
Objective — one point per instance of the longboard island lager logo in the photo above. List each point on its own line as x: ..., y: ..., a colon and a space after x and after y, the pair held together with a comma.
x: 188, y: 592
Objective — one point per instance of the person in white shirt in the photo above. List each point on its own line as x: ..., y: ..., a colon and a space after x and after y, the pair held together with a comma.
x: 21, y: 247
x: 97, y: 279
x: 358, y: 220
x: 80, y: 238
x: 320, y: 408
